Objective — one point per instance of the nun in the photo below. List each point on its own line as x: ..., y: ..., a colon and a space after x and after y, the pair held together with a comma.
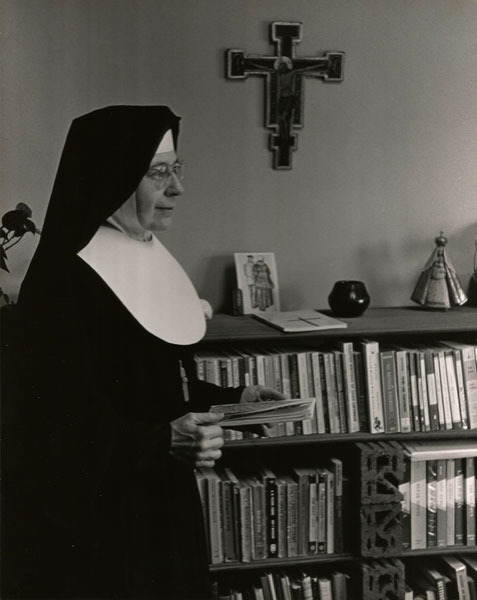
x: 109, y: 419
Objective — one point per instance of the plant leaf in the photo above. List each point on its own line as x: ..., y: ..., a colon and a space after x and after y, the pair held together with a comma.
x: 3, y: 260
x: 24, y: 208
x: 14, y: 220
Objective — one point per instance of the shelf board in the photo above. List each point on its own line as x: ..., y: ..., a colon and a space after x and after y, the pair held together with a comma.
x: 374, y: 322
x: 341, y: 438
x: 269, y: 563
x: 439, y: 551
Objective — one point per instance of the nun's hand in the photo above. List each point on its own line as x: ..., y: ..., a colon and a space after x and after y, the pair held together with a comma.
x: 196, y: 438
x: 259, y: 393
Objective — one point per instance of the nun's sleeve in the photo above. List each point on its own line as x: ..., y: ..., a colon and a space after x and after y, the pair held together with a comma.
x: 203, y: 394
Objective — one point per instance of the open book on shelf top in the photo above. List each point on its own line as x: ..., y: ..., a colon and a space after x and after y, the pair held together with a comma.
x: 269, y: 411
x: 294, y: 321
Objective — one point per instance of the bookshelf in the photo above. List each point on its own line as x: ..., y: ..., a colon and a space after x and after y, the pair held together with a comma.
x: 385, y: 325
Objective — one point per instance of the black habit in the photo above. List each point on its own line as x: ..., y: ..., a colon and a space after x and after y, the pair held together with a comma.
x: 94, y: 505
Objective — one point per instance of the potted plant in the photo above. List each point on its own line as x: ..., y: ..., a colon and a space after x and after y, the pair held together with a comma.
x: 15, y: 224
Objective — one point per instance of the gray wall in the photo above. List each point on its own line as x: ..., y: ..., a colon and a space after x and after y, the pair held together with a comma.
x: 385, y: 161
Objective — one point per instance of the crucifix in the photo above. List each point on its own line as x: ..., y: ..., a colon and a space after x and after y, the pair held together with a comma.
x: 284, y: 75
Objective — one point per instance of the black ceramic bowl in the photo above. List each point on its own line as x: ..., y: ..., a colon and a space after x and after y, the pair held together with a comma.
x: 348, y: 298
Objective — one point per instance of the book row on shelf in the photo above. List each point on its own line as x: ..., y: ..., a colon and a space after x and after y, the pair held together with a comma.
x: 360, y: 386
x: 301, y: 511
x: 251, y: 516
x: 451, y: 577
x: 438, y: 489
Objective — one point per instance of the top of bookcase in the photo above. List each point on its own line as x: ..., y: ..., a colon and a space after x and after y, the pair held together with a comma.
x: 374, y: 322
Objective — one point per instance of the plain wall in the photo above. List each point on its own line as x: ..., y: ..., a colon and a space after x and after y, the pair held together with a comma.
x: 385, y: 161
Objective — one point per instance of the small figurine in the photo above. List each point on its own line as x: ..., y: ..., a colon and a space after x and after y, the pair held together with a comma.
x: 438, y: 286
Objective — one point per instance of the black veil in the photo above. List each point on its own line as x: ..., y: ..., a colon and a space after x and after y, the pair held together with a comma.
x: 106, y: 154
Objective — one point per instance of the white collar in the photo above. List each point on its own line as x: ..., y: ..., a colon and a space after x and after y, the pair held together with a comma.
x: 150, y: 283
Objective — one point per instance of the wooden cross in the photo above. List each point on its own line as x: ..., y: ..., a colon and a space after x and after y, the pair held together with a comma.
x: 284, y: 75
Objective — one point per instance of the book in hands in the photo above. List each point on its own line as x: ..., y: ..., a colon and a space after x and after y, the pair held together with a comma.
x: 269, y: 411
x: 296, y: 321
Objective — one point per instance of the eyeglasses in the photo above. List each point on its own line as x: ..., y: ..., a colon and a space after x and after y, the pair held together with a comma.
x: 162, y: 172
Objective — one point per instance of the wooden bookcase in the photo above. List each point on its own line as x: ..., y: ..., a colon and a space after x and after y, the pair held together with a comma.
x: 394, y: 325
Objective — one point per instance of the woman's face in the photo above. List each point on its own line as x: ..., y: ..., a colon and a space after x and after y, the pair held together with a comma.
x: 151, y: 206
x: 156, y: 194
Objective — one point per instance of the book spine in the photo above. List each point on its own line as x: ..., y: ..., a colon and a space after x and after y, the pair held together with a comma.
x: 270, y: 379
x: 277, y: 372
x: 361, y: 392
x: 441, y: 503
x: 373, y: 386
x: 285, y: 371
x: 200, y: 368
x: 302, y: 375
x: 330, y: 512
x: 320, y: 414
x: 333, y: 408
x: 311, y: 390
x: 282, y: 518
x: 302, y: 481
x: 440, y: 401
x: 450, y: 493
x: 235, y: 371
x: 418, y: 505
x: 457, y: 422
x: 305, y: 582
x: 336, y: 467
x: 461, y: 390
x: 260, y: 542
x: 416, y: 412
x: 469, y: 367
x: 351, y: 396
x: 322, y: 503
x: 226, y: 375
x: 459, y: 501
x: 324, y: 392
x: 228, y: 529
x: 213, y: 371
x: 389, y: 392
x: 260, y: 367
x: 431, y: 473
x: 339, y: 585
x: 445, y: 390
x: 215, y: 518
x: 431, y: 391
x: 405, y: 489
x: 294, y: 377
x: 246, y: 523
x: 340, y: 390
x: 292, y: 519
x: 402, y: 376
x: 326, y: 590
x: 422, y: 388
x: 470, y: 520
x: 242, y: 370
x: 252, y: 369
x: 312, y: 516
x: 272, y: 517
x: 456, y: 570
